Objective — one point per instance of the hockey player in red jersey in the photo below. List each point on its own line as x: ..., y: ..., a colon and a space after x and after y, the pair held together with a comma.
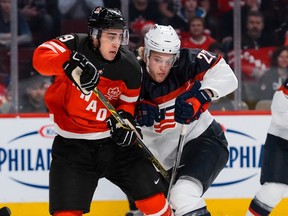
x: 89, y: 145
x: 177, y: 88
x: 274, y: 175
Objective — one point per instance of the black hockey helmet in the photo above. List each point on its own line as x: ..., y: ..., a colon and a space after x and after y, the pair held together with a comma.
x: 106, y: 18
x: 102, y: 18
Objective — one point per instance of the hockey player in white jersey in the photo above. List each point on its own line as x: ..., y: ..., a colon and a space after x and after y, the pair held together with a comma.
x: 177, y: 88
x: 274, y: 175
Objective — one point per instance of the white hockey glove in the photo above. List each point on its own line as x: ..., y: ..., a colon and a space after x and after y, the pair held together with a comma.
x: 81, y: 72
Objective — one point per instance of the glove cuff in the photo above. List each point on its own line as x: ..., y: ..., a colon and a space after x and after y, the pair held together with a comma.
x: 203, y: 96
x: 125, y: 115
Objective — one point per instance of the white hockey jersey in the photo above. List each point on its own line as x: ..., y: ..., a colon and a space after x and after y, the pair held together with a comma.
x: 279, y: 110
x: 194, y: 64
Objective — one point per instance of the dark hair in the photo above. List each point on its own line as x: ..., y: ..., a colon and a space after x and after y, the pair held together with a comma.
x: 275, y: 55
x: 255, y: 14
x: 196, y: 18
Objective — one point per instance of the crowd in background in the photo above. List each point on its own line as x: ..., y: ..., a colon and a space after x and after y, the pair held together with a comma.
x: 203, y: 24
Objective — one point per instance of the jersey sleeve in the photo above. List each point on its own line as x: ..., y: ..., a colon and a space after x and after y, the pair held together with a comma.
x: 49, y: 57
x: 211, y: 69
x: 127, y: 103
x: 220, y: 79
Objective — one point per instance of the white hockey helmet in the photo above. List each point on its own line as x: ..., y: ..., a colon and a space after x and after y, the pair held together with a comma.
x: 163, y: 39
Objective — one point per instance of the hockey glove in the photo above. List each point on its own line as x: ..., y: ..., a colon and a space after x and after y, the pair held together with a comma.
x: 120, y: 135
x: 81, y: 72
x: 146, y: 113
x: 191, y: 104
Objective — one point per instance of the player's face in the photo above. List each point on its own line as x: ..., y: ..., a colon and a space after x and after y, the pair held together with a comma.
x: 5, y: 5
x: 196, y: 28
x: 159, y: 65
x: 283, y: 59
x: 110, y: 41
x: 255, y: 25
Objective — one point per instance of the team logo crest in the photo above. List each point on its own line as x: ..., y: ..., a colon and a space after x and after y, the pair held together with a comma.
x: 113, y: 93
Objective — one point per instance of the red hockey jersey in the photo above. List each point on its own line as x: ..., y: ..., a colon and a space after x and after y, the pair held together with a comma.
x: 84, y: 116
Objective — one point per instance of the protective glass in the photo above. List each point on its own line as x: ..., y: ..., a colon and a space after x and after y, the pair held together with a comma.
x: 170, y: 62
x: 122, y: 39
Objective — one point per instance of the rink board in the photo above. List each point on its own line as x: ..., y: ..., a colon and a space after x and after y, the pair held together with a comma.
x: 25, y: 155
x: 217, y: 207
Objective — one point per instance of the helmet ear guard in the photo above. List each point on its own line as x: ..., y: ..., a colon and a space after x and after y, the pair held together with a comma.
x: 162, y: 39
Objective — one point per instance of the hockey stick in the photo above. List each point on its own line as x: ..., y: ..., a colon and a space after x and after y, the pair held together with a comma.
x: 127, y: 125
x: 177, y: 159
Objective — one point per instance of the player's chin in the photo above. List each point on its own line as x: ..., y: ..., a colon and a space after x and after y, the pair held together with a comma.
x: 160, y: 78
x: 110, y: 56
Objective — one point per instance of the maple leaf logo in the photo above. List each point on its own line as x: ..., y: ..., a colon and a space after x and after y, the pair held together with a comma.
x: 113, y: 93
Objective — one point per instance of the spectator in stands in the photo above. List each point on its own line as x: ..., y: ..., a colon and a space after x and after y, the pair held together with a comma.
x: 257, y: 46
x: 276, y: 75
x: 32, y: 100
x: 141, y: 12
x: 169, y: 10
x: 227, y: 19
x: 211, y: 17
x: 6, y: 105
x: 24, y: 32
x: 2, y: 94
x: 77, y: 9
x: 276, y: 17
x: 198, y: 38
x: 74, y: 14
x: 52, y: 9
x: 275, y: 13
x: 254, y: 37
x: 140, y: 29
x: 39, y: 20
x: 189, y: 9
x: 196, y: 8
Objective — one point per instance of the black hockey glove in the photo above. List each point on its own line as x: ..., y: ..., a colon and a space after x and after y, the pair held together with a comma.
x: 120, y: 135
x: 82, y: 72
x: 146, y: 113
x: 191, y: 104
